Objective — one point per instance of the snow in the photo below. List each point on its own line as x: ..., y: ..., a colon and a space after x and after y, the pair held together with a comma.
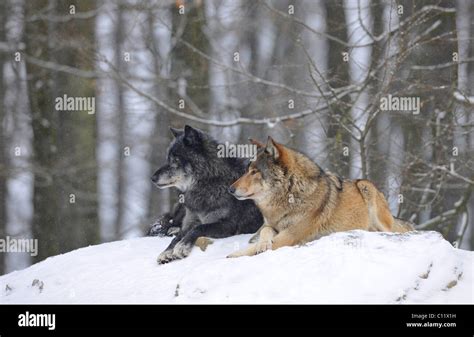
x: 350, y: 267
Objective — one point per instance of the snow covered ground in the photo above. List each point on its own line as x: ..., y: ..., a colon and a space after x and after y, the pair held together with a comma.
x: 351, y: 267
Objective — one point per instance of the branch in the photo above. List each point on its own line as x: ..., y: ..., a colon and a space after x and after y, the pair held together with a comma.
x: 460, y: 97
x: 375, y: 39
x: 53, y: 66
x: 350, y: 88
x: 64, y: 18
x: 453, y: 173
x: 241, y: 120
x: 442, y: 65
x: 459, y: 206
x: 61, y: 68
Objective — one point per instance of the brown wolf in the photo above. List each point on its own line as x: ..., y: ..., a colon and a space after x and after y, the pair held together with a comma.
x: 301, y: 202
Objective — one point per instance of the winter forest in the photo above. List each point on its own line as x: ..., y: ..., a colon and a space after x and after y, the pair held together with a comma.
x: 378, y: 89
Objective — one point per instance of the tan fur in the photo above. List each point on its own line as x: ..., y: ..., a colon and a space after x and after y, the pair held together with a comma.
x: 379, y: 214
x: 402, y: 226
x: 301, y: 203
x: 202, y: 242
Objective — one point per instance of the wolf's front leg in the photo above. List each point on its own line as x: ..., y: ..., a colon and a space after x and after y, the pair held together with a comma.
x: 167, y: 255
x: 211, y: 230
x: 249, y: 251
x: 264, y: 243
x: 286, y: 238
x: 177, y: 248
x: 184, y: 247
x: 265, y: 240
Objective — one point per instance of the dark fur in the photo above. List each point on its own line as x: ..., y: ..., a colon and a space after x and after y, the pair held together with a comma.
x: 211, y: 211
x: 169, y: 223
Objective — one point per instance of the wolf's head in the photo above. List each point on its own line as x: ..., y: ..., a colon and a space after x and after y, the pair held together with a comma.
x: 266, y: 174
x: 189, y: 157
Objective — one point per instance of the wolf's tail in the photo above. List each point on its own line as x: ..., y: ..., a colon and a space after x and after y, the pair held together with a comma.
x: 381, y: 219
x: 402, y: 226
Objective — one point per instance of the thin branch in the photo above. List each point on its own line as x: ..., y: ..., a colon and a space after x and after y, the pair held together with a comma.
x: 64, y: 18
x: 259, y: 80
x: 214, y: 122
x: 375, y: 39
x: 442, y: 65
x: 54, y: 66
x: 463, y: 98
x: 361, y: 23
x: 459, y: 206
x: 452, y: 173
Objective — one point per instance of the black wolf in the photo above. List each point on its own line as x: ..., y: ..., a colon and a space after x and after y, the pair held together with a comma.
x: 194, y: 167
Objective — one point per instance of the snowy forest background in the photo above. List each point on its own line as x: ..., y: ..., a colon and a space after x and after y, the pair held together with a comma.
x: 309, y: 73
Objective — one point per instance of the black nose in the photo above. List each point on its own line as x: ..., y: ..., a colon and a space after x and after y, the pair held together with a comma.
x: 231, y: 189
x: 154, y: 178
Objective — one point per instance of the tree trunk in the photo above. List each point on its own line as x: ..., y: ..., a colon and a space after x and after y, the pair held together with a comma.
x: 338, y: 76
x: 3, y: 143
x: 191, y: 69
x: 378, y: 143
x: 121, y: 127
x: 65, y: 196
x: 159, y: 201
x: 44, y: 124
x: 77, y: 135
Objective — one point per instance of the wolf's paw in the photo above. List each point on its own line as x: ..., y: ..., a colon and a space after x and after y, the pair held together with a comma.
x: 172, y: 231
x: 165, y: 257
x: 233, y: 255
x: 181, y: 250
x: 263, y: 246
x: 161, y: 226
x: 238, y: 253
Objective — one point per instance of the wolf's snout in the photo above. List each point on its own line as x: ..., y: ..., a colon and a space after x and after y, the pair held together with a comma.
x: 231, y: 189
x: 154, y: 178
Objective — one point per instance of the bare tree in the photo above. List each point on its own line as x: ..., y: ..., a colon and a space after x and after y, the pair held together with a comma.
x: 121, y: 184
x: 160, y: 48
x: 3, y: 143
x: 65, y: 203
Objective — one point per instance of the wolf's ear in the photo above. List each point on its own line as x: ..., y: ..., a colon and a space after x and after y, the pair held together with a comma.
x: 255, y: 142
x: 191, y: 135
x: 273, y: 148
x: 176, y: 132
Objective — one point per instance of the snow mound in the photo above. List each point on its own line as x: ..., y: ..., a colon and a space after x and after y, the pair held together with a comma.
x: 350, y: 267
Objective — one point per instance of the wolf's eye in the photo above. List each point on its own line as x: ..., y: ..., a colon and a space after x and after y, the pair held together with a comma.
x: 252, y: 172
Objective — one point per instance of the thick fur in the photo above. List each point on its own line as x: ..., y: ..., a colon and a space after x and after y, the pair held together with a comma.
x: 300, y: 202
x: 211, y: 211
x: 401, y: 226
